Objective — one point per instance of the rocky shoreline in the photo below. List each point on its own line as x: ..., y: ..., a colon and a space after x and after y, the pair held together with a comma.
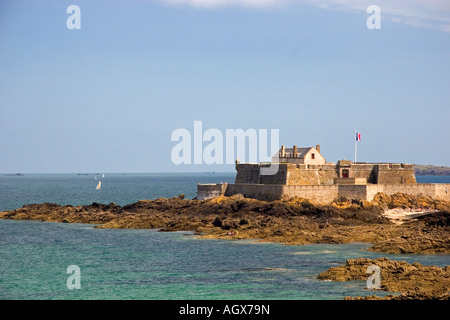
x: 415, y: 281
x: 288, y: 221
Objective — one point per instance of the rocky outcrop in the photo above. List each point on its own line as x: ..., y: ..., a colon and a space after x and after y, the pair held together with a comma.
x: 413, y: 281
x: 408, y: 201
x: 290, y: 221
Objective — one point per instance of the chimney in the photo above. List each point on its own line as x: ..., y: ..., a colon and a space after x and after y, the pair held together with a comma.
x: 318, y: 147
x: 294, y: 152
x: 283, y: 151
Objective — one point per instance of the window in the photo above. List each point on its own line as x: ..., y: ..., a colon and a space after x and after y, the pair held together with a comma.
x: 313, y: 155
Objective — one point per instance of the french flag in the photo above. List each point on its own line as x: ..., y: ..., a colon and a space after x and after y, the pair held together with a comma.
x: 358, y: 136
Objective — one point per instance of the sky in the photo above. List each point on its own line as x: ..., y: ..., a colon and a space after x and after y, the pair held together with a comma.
x: 108, y: 96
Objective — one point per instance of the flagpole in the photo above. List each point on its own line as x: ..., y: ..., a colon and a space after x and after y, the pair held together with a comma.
x: 356, y: 144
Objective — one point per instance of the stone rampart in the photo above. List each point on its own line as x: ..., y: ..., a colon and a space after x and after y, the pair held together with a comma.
x: 265, y: 192
x: 207, y: 191
x: 308, y: 174
x: 321, y: 193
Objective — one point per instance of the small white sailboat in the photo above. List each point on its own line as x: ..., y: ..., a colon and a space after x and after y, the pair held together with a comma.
x: 103, y: 175
x: 99, y: 185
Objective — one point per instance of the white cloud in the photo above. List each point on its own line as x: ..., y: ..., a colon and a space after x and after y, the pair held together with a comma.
x: 432, y: 14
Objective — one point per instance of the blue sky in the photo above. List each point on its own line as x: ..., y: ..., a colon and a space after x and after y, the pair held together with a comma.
x: 107, y: 97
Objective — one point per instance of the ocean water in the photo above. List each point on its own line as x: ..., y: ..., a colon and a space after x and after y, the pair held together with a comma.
x: 433, y: 179
x: 147, y: 264
x: 75, y: 189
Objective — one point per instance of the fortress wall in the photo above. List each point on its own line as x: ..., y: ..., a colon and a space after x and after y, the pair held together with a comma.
x: 443, y: 191
x: 279, y: 177
x: 384, y: 173
x: 395, y: 175
x: 327, y: 166
x: 266, y: 192
x: 428, y: 189
x: 372, y: 190
x: 271, y: 192
x: 407, y: 166
x: 434, y: 190
x: 357, y: 192
x: 302, y: 177
x: 326, y: 175
x: 365, y: 171
x: 301, y: 174
x: 321, y: 193
x: 317, y: 175
x: 362, y: 166
x: 247, y: 173
x: 317, y: 193
x: 250, y: 173
x: 207, y: 191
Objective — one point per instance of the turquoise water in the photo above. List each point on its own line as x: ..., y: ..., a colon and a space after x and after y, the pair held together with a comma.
x: 146, y: 264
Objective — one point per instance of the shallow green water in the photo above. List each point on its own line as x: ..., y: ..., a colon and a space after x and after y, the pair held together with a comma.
x: 146, y: 264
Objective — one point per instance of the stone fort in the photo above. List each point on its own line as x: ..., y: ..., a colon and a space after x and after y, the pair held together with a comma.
x: 305, y: 173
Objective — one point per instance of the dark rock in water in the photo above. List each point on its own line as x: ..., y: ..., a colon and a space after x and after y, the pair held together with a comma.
x: 415, y: 280
x: 112, y: 205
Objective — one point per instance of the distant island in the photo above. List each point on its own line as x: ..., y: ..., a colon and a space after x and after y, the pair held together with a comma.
x: 14, y: 174
x: 428, y: 170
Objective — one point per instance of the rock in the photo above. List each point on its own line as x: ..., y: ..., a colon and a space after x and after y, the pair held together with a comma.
x: 217, y: 223
x: 414, y: 281
x: 402, y: 200
x: 290, y: 220
x: 243, y: 222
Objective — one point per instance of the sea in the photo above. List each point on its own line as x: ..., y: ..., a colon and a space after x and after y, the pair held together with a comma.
x: 62, y: 261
